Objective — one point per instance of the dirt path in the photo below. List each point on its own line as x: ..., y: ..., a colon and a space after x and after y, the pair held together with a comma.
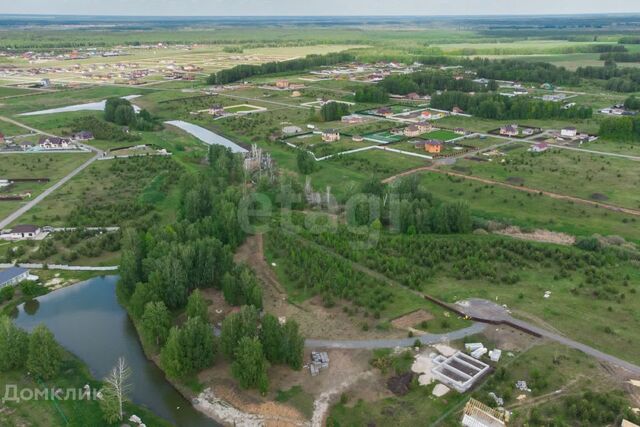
x: 22, y: 125
x: 515, y: 187
x: 322, y: 403
x: 252, y: 254
x: 315, y: 320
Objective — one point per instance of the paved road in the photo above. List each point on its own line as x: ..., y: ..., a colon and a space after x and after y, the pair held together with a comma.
x: 479, y: 310
x: 400, y: 342
x: 22, y: 210
x: 483, y: 309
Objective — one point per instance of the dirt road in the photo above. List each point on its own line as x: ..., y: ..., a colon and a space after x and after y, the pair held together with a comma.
x: 557, y: 196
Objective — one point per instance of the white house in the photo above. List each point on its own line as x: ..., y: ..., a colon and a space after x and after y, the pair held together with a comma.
x: 22, y: 232
x: 539, y: 148
x: 55, y: 143
x: 330, y: 135
x: 12, y: 276
x: 569, y: 132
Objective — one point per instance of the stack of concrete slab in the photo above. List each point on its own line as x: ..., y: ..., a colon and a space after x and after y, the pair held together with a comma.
x: 319, y: 360
x: 495, y: 354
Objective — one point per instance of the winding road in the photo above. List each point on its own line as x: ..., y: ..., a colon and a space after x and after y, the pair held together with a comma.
x: 483, y: 309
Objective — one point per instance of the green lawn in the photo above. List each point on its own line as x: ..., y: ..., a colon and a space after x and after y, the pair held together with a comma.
x: 441, y: 135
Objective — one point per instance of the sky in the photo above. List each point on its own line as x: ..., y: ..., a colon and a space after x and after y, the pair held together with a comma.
x: 314, y: 8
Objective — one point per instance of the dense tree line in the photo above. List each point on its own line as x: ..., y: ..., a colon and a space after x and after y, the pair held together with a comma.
x: 241, y: 72
x: 252, y: 343
x: 241, y: 287
x: 495, y: 106
x: 121, y: 112
x: 632, y: 103
x: 373, y: 94
x: 621, y: 56
x: 318, y: 273
x: 617, y: 79
x: 629, y: 40
x: 38, y: 351
x: 167, y: 263
x: 406, y: 208
x: 414, y: 259
x: 163, y: 269
x: 525, y: 71
x: 620, y: 128
x: 102, y: 129
x: 428, y: 82
x: 332, y: 111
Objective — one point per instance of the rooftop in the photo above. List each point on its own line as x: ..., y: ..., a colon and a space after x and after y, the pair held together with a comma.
x: 10, y: 273
x: 25, y: 228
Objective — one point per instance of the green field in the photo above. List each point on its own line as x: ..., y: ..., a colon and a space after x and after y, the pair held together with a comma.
x: 35, y: 165
x: 441, y: 135
x: 109, y: 193
x: 588, y: 176
x: 531, y: 211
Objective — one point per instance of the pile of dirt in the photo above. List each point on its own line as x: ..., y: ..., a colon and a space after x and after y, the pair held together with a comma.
x: 412, y: 319
x: 538, y: 235
x: 399, y: 385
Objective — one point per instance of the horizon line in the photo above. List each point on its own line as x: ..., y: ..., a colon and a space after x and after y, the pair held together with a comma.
x: 26, y: 14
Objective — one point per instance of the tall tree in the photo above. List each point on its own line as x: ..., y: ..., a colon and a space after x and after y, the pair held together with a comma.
x: 236, y: 326
x: 131, y: 260
x: 115, y: 391
x: 156, y: 322
x: 292, y: 344
x: 188, y: 349
x: 250, y: 366
x: 197, y: 306
x: 171, y: 355
x: 271, y: 338
x: 45, y: 354
x: 14, y: 345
